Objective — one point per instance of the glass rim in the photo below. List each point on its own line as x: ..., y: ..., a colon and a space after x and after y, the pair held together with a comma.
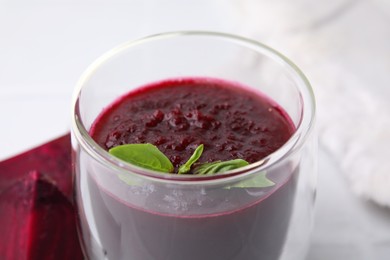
x: 302, y: 131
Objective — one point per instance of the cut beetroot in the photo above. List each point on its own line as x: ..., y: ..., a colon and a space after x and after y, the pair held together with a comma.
x: 37, y: 217
x: 53, y: 159
x: 37, y: 220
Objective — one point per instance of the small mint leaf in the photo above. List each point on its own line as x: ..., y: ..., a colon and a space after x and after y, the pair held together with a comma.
x: 219, y: 166
x: 144, y: 155
x: 194, y: 157
x: 258, y: 181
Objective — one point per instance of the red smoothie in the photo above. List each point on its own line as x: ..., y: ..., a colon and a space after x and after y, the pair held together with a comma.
x: 178, y: 115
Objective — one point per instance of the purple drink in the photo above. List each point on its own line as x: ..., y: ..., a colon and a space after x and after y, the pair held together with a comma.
x: 162, y: 222
x: 256, y: 231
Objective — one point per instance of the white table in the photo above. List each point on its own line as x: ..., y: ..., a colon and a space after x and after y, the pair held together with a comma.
x: 46, y: 45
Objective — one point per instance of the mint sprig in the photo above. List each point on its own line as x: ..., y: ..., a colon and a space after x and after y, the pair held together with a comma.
x: 258, y: 181
x: 185, y: 168
x: 219, y: 166
x: 150, y: 157
x: 143, y: 155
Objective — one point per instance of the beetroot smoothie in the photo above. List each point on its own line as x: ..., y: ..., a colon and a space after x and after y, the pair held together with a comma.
x: 176, y: 116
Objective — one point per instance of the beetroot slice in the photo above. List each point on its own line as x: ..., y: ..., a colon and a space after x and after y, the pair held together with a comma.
x: 37, y: 220
x: 52, y: 158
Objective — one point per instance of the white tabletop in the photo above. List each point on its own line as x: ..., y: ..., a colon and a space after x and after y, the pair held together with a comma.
x: 46, y: 45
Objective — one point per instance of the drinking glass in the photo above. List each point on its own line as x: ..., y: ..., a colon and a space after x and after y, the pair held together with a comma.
x: 126, y: 212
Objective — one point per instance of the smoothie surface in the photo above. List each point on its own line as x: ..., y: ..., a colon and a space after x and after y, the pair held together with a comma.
x: 177, y: 115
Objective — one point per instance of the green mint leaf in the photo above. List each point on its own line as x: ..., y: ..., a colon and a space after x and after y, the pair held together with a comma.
x: 144, y: 155
x: 194, y: 157
x: 258, y: 181
x: 219, y: 166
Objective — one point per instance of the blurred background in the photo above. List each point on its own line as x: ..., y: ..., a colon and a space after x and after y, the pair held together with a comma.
x: 343, y: 47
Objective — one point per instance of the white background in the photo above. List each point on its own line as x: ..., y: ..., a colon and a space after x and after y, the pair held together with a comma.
x: 343, y: 46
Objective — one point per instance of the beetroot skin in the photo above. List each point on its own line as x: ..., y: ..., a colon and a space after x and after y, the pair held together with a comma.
x: 37, y: 217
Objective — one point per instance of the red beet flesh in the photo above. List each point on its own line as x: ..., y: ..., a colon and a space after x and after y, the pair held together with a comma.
x: 37, y: 218
x: 52, y: 159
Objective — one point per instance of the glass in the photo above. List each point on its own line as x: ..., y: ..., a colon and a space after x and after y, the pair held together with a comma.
x: 175, y: 217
